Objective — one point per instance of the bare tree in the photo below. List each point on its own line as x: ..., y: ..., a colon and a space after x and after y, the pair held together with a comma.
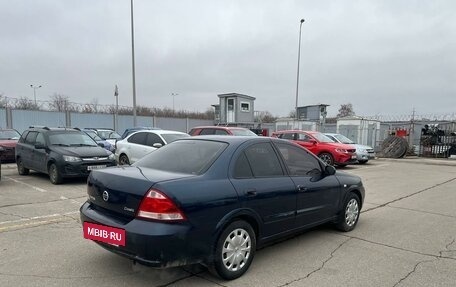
x: 346, y: 110
x: 3, y: 101
x: 265, y: 117
x: 60, y: 103
x: 25, y: 103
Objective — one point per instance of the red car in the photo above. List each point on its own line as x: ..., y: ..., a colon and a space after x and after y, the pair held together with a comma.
x: 8, y: 141
x: 219, y: 130
x: 327, y: 150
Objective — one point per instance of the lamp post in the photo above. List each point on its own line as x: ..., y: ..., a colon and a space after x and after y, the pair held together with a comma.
x: 34, y: 91
x: 133, y: 64
x: 174, y: 94
x: 297, y: 74
x: 116, y: 122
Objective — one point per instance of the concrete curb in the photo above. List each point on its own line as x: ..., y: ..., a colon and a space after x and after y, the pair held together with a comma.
x: 420, y: 160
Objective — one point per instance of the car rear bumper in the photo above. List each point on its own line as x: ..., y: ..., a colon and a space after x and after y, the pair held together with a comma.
x: 8, y: 154
x: 155, y: 244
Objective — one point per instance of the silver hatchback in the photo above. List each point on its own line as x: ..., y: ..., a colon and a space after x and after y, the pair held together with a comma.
x: 363, y: 152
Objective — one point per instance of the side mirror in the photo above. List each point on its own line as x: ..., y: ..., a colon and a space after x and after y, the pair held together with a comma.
x: 330, y: 170
x: 313, y: 142
x: 157, y: 145
x: 101, y: 144
x: 40, y: 146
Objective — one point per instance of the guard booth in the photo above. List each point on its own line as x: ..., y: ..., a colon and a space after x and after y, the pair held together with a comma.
x: 235, y: 110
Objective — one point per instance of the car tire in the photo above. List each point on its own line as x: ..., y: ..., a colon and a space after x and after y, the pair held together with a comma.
x: 21, y: 169
x: 362, y: 161
x: 123, y: 160
x: 349, y: 215
x: 327, y: 158
x: 234, y: 251
x: 54, y: 175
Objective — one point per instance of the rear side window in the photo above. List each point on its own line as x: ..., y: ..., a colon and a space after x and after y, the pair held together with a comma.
x: 287, y: 136
x: 207, y: 132
x: 242, y: 167
x: 263, y: 160
x: 221, y: 132
x: 185, y: 156
x: 138, y: 138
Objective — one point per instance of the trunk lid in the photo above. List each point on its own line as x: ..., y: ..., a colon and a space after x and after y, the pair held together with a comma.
x: 120, y: 190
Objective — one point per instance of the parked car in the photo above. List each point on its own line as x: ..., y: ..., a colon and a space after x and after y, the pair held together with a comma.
x: 8, y: 141
x: 138, y: 144
x: 363, y: 152
x: 325, y: 148
x: 215, y: 200
x: 109, y: 135
x: 219, y: 130
x: 129, y: 131
x: 101, y: 142
x: 60, y: 152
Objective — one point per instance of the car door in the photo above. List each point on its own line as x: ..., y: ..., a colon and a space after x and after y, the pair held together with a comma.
x: 153, y: 139
x: 306, y: 141
x: 27, y: 149
x: 39, y: 156
x: 318, y: 194
x: 136, y: 147
x: 263, y: 187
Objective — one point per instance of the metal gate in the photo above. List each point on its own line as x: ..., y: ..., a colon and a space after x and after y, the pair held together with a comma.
x: 437, y: 143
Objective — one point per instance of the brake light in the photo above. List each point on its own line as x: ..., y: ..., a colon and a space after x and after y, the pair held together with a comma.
x: 156, y: 205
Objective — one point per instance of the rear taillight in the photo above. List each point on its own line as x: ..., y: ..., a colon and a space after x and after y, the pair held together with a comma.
x: 156, y: 205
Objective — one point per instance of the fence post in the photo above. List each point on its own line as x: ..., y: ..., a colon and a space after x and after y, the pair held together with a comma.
x: 68, y: 118
x: 9, y: 118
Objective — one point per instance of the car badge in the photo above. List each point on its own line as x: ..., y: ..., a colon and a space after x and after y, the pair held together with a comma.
x: 105, y: 195
x: 95, y: 158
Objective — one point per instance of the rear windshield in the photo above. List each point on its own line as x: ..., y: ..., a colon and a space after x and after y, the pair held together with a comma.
x: 109, y: 134
x: 9, y: 135
x: 241, y: 132
x: 71, y: 139
x: 187, y: 156
x: 169, y: 138
x: 343, y: 139
x: 322, y: 138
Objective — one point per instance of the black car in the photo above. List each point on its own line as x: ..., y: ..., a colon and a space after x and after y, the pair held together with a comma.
x: 214, y: 200
x: 60, y: 152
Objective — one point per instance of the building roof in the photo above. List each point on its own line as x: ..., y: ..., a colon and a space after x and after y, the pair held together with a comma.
x: 236, y: 95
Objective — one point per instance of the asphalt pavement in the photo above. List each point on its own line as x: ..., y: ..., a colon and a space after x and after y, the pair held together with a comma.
x: 406, y: 236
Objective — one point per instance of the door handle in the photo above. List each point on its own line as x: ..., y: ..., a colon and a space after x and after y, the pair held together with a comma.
x: 302, y: 188
x: 250, y: 192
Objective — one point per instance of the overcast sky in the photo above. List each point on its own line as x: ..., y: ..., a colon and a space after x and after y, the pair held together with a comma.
x: 384, y: 57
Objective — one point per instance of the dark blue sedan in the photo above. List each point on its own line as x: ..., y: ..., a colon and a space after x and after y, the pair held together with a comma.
x: 215, y: 200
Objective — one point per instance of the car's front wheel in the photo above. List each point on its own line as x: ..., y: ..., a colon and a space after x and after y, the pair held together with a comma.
x: 349, y: 216
x: 21, y: 169
x: 326, y: 158
x: 235, y: 250
x: 54, y: 174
